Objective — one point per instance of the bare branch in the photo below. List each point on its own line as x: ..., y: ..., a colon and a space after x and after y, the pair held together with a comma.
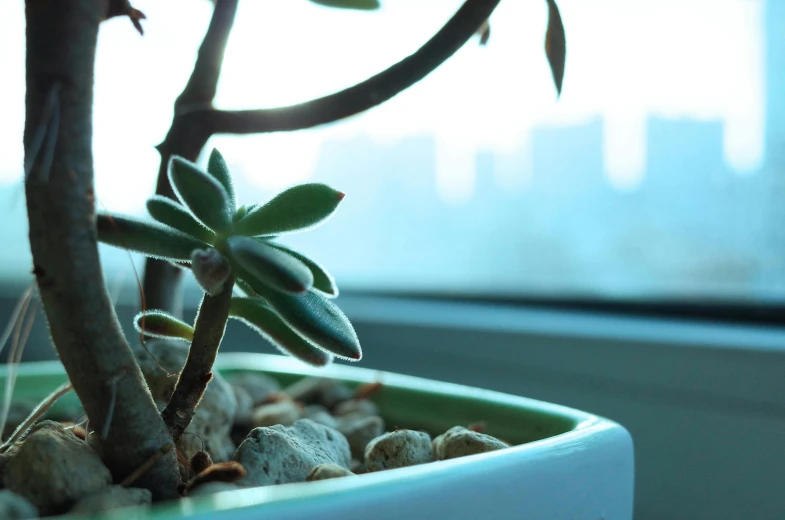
x: 363, y: 96
x: 203, y: 82
x: 197, y: 372
x: 196, y: 120
x: 161, y: 279
x: 124, y: 8
x: 147, y: 464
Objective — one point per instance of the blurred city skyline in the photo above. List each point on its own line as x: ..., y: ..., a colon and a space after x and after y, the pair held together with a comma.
x: 655, y: 174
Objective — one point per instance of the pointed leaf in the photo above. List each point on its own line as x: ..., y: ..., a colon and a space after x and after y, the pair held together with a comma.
x: 322, y: 280
x: 269, y: 265
x: 264, y: 320
x: 216, y: 166
x: 204, y: 196
x: 169, y: 212
x: 299, y: 207
x: 240, y: 213
x: 159, y: 324
x: 484, y: 32
x: 314, y: 317
x: 149, y: 238
x: 244, y: 287
x: 555, y: 44
x: 363, y: 5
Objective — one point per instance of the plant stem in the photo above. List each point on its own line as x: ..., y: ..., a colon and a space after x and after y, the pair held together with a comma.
x: 61, y: 40
x: 362, y: 96
x: 161, y: 284
x: 196, y: 374
x: 196, y: 121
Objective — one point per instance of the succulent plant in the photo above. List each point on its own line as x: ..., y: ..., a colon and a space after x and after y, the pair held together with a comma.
x: 287, y: 297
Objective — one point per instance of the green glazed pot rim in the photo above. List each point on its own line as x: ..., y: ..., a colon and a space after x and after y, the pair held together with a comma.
x: 569, y: 429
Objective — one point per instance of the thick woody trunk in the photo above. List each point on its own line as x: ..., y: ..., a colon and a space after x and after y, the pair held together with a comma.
x: 61, y: 40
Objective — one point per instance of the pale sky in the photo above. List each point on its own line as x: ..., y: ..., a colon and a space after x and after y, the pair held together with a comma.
x: 627, y: 61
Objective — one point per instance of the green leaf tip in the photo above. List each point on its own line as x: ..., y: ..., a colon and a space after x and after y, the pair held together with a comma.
x: 172, y: 214
x: 314, y: 317
x: 159, y: 324
x: 297, y: 208
x: 269, y: 265
x: 202, y: 194
x: 149, y: 238
x: 254, y: 313
x: 240, y: 213
x: 322, y: 280
x: 216, y: 166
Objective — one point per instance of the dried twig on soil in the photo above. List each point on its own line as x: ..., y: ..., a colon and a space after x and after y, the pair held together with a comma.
x: 36, y: 414
x: 146, y: 465
x: 221, y: 472
x: 18, y: 343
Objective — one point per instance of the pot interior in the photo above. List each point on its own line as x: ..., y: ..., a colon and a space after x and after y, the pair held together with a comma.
x: 405, y: 402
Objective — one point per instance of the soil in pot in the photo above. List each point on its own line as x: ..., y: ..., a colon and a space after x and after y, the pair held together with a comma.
x: 248, y: 431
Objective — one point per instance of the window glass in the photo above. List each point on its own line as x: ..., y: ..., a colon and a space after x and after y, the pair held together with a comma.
x: 657, y: 174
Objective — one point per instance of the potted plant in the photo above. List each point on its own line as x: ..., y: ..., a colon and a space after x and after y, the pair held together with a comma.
x: 159, y: 414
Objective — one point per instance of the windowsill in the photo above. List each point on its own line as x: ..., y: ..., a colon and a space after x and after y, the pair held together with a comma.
x: 566, y: 323
x: 704, y: 402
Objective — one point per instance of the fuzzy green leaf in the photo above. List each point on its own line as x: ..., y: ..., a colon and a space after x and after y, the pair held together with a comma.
x: 204, y: 196
x: 269, y: 265
x: 244, y: 287
x: 169, y: 212
x: 159, y: 324
x: 181, y: 264
x: 264, y: 320
x: 362, y: 5
x: 149, y: 238
x: 216, y: 166
x: 296, y: 208
x: 322, y: 280
x: 314, y: 317
x: 240, y: 213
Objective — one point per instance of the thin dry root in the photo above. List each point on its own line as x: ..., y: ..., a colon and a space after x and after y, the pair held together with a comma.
x: 138, y: 472
x: 221, y: 472
x: 19, y: 328
x: 37, y: 412
x: 275, y: 397
x: 78, y: 431
x: 201, y: 461
x: 477, y: 427
x: 367, y: 390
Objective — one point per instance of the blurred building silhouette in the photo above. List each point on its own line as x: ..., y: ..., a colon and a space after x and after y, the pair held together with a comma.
x: 691, y: 228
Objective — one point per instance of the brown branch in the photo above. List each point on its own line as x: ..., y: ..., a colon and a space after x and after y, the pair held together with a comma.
x: 202, y: 84
x: 161, y: 284
x: 197, y: 372
x: 196, y: 120
x: 61, y: 41
x: 124, y: 8
x: 363, y: 96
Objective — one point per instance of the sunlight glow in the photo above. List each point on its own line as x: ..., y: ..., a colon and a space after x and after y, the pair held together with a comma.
x: 649, y: 59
